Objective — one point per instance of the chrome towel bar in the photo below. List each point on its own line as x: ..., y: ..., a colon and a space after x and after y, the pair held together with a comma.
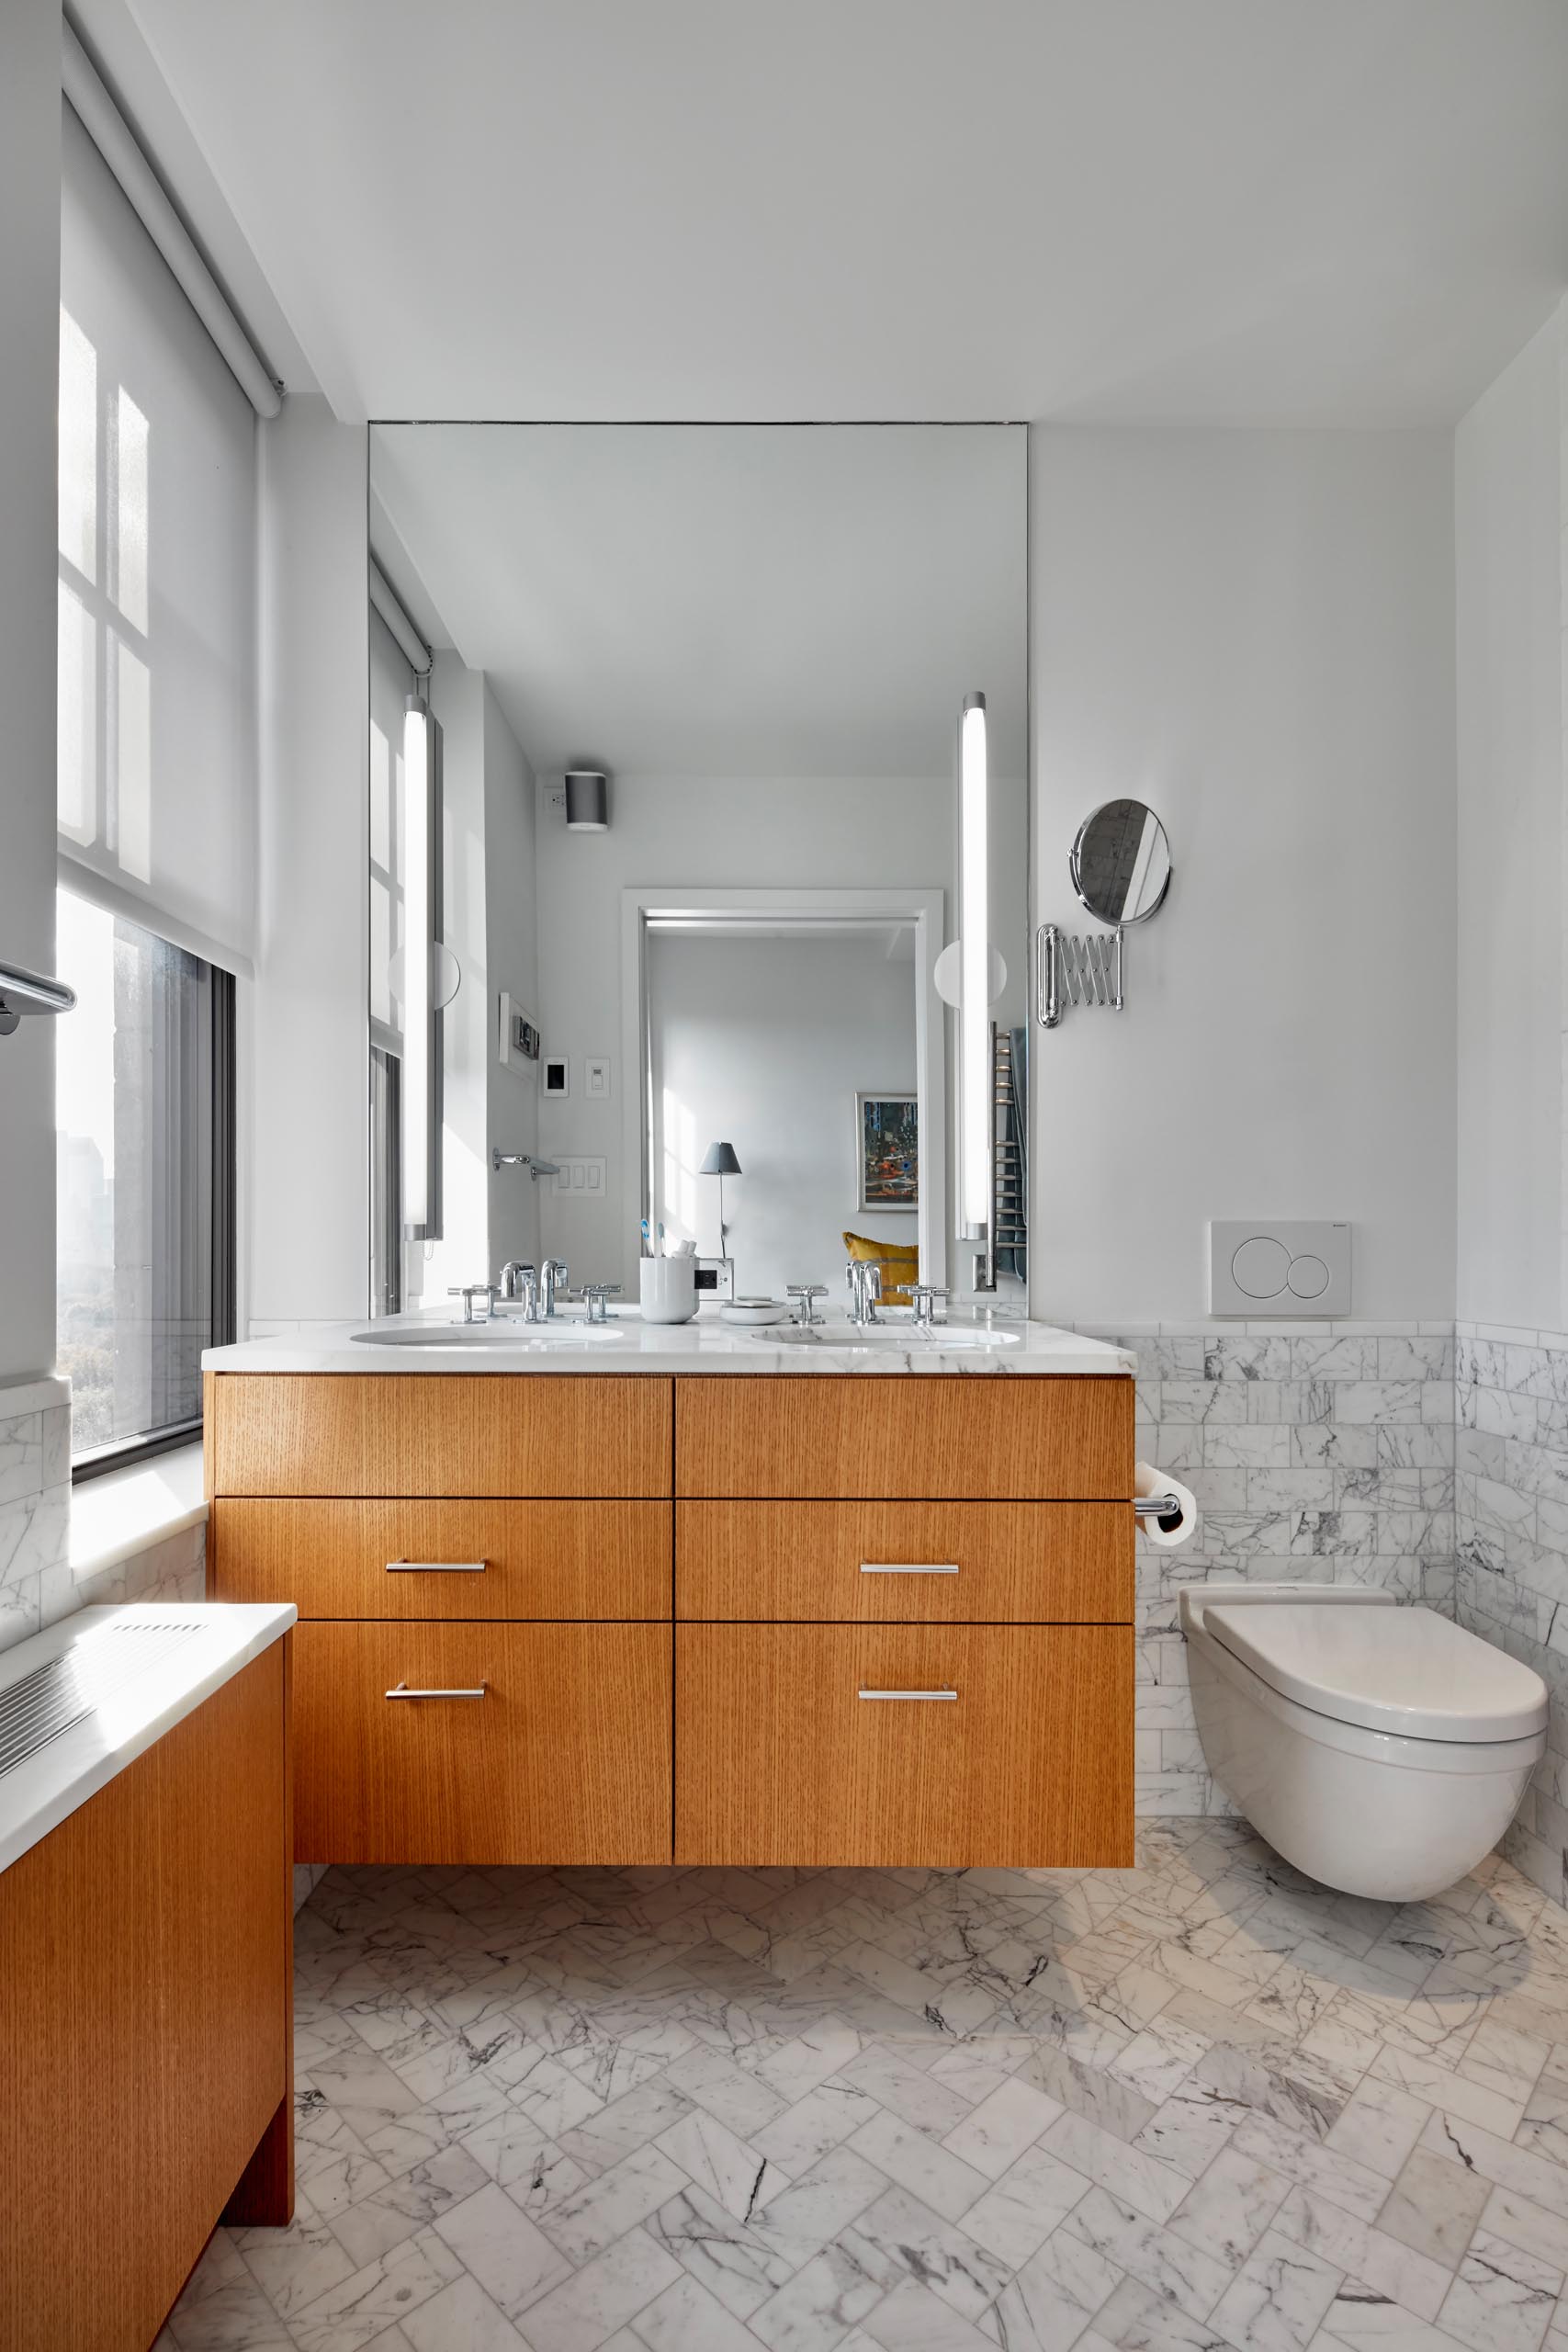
x: 23, y: 992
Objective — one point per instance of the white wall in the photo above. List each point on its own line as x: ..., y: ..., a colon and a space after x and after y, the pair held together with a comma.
x: 29, y: 301
x: 306, y: 1146
x: 1254, y: 632
x: 817, y: 832
x: 1508, y: 519
x: 765, y: 1042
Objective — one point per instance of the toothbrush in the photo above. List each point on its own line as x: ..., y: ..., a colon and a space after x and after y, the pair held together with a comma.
x: 662, y: 1236
x: 646, y: 1246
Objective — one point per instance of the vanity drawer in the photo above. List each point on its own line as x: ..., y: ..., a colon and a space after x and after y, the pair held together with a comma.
x: 565, y: 1758
x: 437, y: 1433
x: 982, y: 1437
x: 782, y: 1762
x: 894, y: 1563
x: 540, y: 1559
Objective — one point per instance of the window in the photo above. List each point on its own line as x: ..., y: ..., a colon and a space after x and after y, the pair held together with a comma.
x: 386, y: 1183
x: 144, y: 1176
x: 157, y: 580
x: 390, y: 680
x: 157, y: 592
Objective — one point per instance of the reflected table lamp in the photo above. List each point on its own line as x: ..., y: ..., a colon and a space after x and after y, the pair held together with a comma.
x: 721, y: 1162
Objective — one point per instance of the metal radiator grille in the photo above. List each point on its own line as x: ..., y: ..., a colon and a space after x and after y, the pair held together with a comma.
x: 68, y: 1688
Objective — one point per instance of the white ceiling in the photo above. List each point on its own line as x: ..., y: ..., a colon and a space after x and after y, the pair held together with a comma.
x: 1226, y: 211
x: 738, y: 601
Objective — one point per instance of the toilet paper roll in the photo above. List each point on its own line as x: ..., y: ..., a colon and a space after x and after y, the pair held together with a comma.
x: 1164, y: 1534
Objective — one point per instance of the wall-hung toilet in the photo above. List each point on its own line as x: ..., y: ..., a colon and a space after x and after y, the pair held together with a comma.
x: 1383, y: 1751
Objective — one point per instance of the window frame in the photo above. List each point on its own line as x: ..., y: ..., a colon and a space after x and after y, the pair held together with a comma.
x: 118, y: 1454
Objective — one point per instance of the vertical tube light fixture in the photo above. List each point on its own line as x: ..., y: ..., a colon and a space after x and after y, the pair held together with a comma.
x: 417, y: 1092
x: 974, y: 1112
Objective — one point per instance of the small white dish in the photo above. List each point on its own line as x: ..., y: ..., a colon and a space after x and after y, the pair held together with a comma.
x: 752, y: 1314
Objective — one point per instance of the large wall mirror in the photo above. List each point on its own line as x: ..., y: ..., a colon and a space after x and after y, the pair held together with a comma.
x: 698, y: 853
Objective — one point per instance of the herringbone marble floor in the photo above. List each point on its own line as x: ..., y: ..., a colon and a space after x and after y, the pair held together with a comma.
x: 1204, y: 2104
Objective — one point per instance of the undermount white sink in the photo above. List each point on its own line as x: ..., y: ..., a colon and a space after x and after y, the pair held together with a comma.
x: 908, y: 1339
x: 508, y: 1331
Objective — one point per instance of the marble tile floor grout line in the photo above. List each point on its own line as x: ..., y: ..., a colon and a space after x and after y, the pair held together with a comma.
x: 1204, y: 2105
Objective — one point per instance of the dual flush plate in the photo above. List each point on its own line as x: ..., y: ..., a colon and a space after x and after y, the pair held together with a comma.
x: 1278, y: 1266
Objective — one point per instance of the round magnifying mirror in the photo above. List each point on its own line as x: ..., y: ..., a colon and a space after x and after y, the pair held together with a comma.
x: 1121, y: 863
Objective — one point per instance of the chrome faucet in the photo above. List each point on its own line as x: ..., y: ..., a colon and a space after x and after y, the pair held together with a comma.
x: 467, y: 1293
x: 594, y: 1296
x: 865, y: 1290
x: 555, y: 1275
x: 511, y: 1277
x: 806, y: 1295
x: 924, y: 1298
x: 519, y: 1290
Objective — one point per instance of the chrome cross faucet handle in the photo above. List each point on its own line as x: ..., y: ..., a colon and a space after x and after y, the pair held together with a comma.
x: 467, y: 1293
x: 554, y: 1273
x: 924, y: 1297
x: 594, y: 1296
x: 805, y: 1295
x: 865, y: 1290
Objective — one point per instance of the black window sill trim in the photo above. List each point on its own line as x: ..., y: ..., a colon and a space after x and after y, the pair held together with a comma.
x: 123, y: 1452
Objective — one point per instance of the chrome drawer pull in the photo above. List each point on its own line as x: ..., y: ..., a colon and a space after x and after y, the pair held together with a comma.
x: 908, y: 1694
x: 436, y: 1568
x: 402, y: 1691
x: 909, y: 1567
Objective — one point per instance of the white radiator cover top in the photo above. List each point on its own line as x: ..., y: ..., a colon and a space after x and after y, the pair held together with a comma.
x: 81, y: 1700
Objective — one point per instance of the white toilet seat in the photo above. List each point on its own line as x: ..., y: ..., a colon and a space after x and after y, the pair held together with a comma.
x: 1404, y: 1671
x: 1396, y: 1749
x: 1293, y: 1686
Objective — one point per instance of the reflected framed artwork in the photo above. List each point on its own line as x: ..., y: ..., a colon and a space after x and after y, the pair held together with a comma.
x: 887, y: 1151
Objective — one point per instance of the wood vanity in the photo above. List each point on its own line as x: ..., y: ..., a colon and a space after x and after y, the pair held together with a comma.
x: 689, y: 1586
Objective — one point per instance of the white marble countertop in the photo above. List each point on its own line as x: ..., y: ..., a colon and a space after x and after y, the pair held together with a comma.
x: 135, y: 1703
x: 707, y: 1344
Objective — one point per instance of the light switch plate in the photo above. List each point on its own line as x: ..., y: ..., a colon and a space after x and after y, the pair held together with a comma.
x: 1284, y: 1266
x: 517, y: 1037
x: 596, y: 1076
x: 583, y: 1179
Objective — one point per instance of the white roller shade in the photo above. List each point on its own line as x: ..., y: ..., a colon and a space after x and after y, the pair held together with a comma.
x: 391, y: 682
x: 157, y: 580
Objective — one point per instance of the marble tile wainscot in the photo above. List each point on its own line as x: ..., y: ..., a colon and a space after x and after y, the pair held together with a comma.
x: 1511, y: 1511
x: 37, y: 1584
x: 1315, y: 1451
